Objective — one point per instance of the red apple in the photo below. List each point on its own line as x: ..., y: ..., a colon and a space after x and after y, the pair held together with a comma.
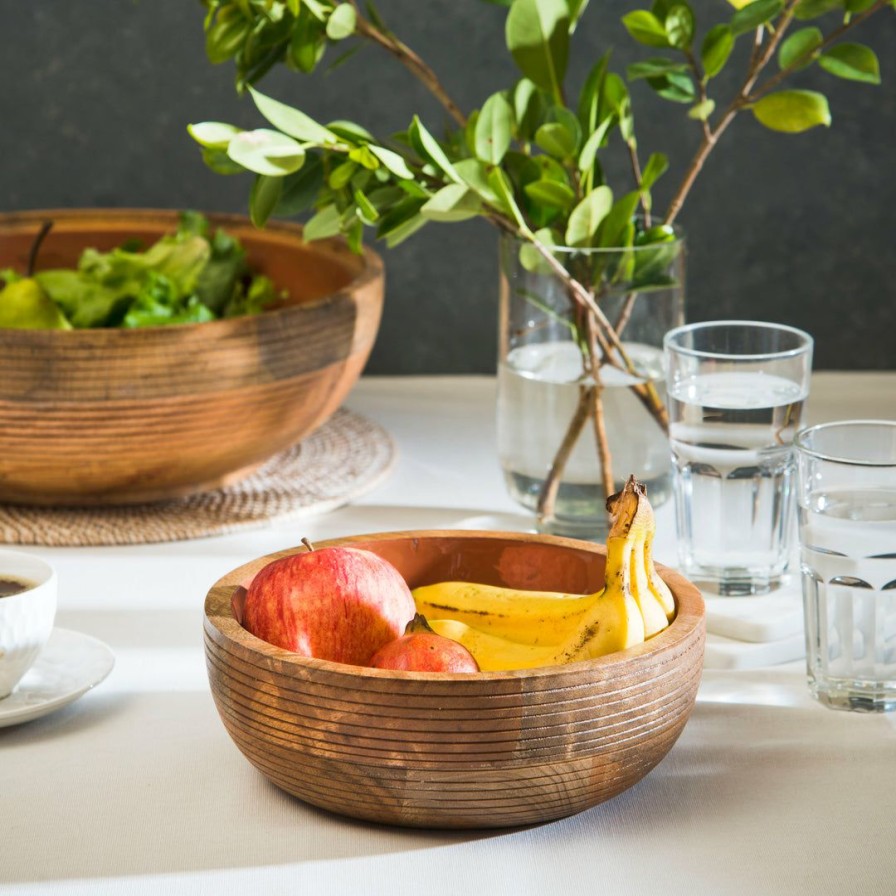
x: 339, y: 604
x: 420, y: 649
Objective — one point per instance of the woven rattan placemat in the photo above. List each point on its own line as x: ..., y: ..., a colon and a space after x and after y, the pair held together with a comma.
x: 346, y: 457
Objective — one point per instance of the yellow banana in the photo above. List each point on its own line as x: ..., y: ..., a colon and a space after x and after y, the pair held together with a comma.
x: 493, y: 653
x: 659, y: 588
x: 632, y: 506
x: 614, y: 621
x: 633, y: 605
x: 531, y: 617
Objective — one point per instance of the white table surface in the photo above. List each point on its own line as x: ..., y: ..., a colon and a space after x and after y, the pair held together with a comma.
x: 137, y: 789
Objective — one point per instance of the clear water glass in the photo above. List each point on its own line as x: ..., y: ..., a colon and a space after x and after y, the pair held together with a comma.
x: 847, y: 525
x: 736, y: 391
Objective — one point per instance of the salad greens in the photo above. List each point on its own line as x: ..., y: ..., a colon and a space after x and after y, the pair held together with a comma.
x: 189, y: 276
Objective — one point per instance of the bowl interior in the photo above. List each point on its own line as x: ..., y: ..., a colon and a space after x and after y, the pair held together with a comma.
x: 276, y: 251
x: 516, y: 560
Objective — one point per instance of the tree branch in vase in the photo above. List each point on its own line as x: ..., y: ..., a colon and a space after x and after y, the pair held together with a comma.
x: 526, y: 160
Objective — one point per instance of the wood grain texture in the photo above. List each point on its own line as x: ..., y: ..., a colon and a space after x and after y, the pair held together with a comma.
x: 449, y: 750
x: 121, y: 416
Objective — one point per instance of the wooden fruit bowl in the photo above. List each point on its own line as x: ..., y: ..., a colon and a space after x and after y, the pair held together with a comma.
x: 449, y: 750
x: 113, y: 416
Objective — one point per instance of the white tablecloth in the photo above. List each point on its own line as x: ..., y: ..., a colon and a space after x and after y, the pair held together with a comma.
x: 137, y: 789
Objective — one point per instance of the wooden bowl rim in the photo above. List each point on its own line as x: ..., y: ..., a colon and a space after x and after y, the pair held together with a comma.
x: 372, y: 268
x: 221, y: 623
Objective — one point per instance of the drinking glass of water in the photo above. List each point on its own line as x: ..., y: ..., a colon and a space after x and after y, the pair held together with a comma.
x: 847, y: 515
x: 735, y: 395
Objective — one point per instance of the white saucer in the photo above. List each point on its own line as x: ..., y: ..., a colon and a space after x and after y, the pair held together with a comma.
x: 69, y: 665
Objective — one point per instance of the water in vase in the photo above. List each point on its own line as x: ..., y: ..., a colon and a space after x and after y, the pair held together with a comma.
x: 538, y: 390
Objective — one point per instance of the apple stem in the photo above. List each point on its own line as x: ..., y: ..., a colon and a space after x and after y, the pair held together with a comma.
x: 307, y: 544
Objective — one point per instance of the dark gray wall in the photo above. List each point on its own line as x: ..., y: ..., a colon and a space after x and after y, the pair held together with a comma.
x: 796, y: 229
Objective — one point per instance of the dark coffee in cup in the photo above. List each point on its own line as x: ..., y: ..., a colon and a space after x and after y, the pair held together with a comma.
x: 10, y: 586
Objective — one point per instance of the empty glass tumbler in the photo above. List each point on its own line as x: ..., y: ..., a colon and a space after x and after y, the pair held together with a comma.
x: 736, y: 392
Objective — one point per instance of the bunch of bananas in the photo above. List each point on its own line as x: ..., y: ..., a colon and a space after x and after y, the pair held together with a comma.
x: 510, y: 629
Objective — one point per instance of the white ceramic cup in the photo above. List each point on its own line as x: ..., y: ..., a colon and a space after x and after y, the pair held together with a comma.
x: 26, y: 618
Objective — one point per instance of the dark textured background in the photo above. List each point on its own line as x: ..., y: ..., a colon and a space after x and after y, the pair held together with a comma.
x: 797, y: 229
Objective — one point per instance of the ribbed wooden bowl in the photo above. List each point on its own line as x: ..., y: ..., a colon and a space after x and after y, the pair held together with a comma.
x: 122, y: 416
x: 450, y: 750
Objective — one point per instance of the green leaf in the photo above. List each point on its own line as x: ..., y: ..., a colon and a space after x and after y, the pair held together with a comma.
x: 431, y: 149
x: 792, y: 111
x: 614, y: 94
x: 799, y: 48
x: 503, y: 189
x: 530, y: 258
x: 556, y: 140
x: 456, y: 202
x: 679, y: 26
x: 812, y: 9
x: 589, y: 98
x: 225, y: 38
x: 326, y: 223
x: 494, y: 129
x: 405, y: 231
x: 342, y: 21
x: 656, y: 166
x: 366, y: 209
x: 219, y: 162
x: 854, y: 7
x: 646, y: 28
x: 263, y: 199
x: 702, y: 110
x: 291, y: 121
x: 854, y: 62
x: 537, y: 34
x: 317, y: 9
x: 350, y: 132
x: 754, y: 14
x: 392, y: 161
x: 474, y: 174
x: 653, y: 68
x: 618, y: 218
x: 401, y: 221
x: 550, y: 192
x: 307, y: 44
x: 212, y: 134
x: 576, y: 11
x: 526, y: 108
x: 587, y: 216
x: 364, y: 157
x: 266, y: 152
x: 716, y: 48
x: 300, y: 189
x: 589, y: 151
x: 341, y: 175
x: 675, y: 86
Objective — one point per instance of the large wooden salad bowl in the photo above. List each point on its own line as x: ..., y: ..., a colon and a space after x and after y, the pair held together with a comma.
x: 110, y: 416
x: 452, y: 750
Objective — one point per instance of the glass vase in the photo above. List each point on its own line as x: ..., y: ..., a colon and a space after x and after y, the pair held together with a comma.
x: 578, y: 409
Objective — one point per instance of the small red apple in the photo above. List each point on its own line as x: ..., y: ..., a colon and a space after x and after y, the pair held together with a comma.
x: 337, y: 603
x: 420, y: 649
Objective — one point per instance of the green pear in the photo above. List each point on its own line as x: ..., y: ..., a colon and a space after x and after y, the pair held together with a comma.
x: 25, y: 306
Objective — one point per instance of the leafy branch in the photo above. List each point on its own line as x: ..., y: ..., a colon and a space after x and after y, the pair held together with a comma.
x: 531, y: 160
